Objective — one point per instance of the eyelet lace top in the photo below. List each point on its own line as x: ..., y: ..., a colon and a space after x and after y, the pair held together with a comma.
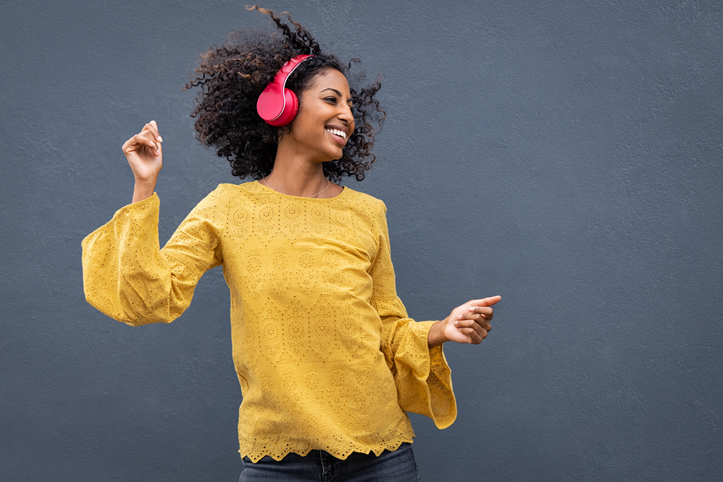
x: 323, y: 348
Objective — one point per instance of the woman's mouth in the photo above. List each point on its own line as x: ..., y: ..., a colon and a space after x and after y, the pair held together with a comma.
x: 338, y: 135
x: 337, y: 132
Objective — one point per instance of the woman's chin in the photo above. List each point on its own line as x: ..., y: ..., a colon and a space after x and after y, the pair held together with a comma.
x: 334, y: 155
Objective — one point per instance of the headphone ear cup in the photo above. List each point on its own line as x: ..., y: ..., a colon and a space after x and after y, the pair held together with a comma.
x: 271, y: 103
x: 278, y: 105
x: 290, y: 110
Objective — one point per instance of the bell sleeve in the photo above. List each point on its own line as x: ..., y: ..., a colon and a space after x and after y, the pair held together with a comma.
x: 422, y: 375
x: 126, y: 275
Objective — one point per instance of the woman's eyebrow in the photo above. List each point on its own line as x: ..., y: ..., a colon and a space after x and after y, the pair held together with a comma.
x: 334, y: 90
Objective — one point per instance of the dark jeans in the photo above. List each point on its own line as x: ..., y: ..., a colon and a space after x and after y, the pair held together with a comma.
x: 320, y: 466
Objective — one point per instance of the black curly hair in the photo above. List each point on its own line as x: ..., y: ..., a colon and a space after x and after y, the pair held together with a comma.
x: 233, y: 75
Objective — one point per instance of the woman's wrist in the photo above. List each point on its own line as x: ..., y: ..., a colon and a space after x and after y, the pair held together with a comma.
x: 143, y: 189
x: 436, y: 334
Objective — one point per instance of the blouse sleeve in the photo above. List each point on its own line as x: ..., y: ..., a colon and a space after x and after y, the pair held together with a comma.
x: 127, y: 276
x: 422, y: 376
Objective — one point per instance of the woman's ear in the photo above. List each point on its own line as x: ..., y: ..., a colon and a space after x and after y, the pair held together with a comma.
x: 282, y: 131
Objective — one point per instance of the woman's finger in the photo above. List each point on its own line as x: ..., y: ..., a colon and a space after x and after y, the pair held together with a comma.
x: 137, y: 142
x: 477, y: 325
x: 482, y: 328
x: 484, y: 310
x: 486, y: 301
x: 153, y: 128
x: 482, y: 318
x: 484, y: 322
x: 475, y: 335
x: 151, y: 140
x: 470, y: 332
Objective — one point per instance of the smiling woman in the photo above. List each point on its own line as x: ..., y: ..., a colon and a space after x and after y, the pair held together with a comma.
x: 328, y: 361
x: 233, y: 75
x: 319, y: 133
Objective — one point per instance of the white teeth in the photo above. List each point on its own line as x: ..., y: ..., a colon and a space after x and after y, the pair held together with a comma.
x: 337, y: 132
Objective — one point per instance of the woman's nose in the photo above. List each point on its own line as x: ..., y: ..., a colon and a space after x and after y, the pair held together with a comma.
x: 346, y: 114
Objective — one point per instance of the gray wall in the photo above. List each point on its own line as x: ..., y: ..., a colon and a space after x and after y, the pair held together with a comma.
x: 562, y: 153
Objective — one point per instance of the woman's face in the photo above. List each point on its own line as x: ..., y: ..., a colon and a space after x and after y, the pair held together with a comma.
x: 324, y: 122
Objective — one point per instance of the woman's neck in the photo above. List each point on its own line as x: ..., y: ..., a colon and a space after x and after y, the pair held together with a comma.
x: 297, y: 177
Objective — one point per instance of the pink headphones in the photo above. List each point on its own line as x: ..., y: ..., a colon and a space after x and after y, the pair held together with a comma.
x: 277, y: 105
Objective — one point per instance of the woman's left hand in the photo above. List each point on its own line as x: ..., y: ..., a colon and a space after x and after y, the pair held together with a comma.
x: 468, y: 323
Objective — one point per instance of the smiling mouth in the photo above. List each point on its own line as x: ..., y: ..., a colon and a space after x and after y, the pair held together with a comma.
x: 338, y: 133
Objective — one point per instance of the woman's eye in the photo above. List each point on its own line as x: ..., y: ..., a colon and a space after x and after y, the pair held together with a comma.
x: 331, y: 99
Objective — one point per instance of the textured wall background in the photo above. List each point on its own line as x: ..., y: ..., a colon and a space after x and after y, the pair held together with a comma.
x: 565, y: 154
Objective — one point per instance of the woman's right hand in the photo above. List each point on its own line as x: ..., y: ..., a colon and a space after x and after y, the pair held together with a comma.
x: 145, y: 156
x: 144, y: 153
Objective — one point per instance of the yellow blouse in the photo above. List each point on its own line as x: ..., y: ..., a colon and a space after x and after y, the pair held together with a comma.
x: 323, y: 348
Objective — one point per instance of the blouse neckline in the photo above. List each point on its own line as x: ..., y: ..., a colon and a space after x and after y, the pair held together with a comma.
x: 303, y: 198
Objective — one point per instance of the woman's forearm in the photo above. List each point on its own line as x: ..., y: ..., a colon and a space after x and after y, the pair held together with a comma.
x: 436, y: 334
x: 143, y: 190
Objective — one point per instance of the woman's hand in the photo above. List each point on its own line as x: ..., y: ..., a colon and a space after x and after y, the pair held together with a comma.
x: 468, y: 323
x: 145, y: 156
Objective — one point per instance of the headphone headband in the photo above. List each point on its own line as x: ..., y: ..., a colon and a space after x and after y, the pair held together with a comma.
x: 277, y: 105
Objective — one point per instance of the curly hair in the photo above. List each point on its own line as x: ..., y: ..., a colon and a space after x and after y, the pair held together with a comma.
x: 233, y: 75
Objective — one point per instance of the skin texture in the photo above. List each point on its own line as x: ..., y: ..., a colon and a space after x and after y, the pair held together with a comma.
x: 303, y: 147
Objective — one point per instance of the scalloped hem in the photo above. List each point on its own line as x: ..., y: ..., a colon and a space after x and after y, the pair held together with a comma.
x: 338, y: 452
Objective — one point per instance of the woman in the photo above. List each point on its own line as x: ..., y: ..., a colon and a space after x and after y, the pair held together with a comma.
x: 327, y: 359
